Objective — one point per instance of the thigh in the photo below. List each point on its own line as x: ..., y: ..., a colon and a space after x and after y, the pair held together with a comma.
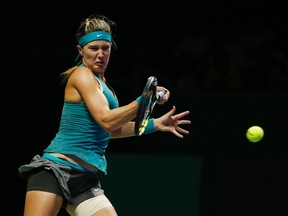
x: 96, y: 206
x: 42, y: 203
x: 43, y: 196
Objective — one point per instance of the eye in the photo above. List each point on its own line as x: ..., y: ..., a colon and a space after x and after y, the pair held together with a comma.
x: 94, y: 48
x: 106, y: 48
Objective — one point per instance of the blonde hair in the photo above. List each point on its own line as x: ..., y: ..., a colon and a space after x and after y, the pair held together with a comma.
x: 92, y: 23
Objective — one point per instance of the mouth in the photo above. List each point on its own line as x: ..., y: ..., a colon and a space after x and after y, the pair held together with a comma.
x: 100, y: 64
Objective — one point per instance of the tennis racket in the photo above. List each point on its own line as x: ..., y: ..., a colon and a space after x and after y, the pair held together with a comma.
x: 146, y: 106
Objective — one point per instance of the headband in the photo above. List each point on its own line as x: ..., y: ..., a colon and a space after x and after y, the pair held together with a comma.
x: 92, y: 36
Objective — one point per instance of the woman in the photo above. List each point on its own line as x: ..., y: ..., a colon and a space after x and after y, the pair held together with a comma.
x: 67, y: 174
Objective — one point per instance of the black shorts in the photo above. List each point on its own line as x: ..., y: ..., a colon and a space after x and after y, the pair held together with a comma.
x: 81, y: 185
x: 44, y: 180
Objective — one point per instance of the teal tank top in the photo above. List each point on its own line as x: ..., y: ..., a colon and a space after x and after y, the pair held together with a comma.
x: 80, y: 135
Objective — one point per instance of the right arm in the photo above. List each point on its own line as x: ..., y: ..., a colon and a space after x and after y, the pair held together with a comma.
x: 83, y: 86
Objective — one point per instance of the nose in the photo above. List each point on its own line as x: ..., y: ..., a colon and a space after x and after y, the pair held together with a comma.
x: 101, y: 53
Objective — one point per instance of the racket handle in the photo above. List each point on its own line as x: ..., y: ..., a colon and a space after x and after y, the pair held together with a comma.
x: 160, y: 95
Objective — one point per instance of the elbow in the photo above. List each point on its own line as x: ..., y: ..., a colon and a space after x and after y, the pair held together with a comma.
x: 107, y: 127
x: 105, y: 123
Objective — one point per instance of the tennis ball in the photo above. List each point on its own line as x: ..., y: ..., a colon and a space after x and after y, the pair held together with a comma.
x: 254, y: 134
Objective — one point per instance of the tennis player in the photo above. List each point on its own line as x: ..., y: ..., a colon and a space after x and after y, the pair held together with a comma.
x: 66, y: 174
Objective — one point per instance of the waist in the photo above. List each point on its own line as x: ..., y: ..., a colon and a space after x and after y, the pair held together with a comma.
x: 75, y: 160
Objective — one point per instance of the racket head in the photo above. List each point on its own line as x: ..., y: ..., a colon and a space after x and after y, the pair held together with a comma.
x: 146, y: 105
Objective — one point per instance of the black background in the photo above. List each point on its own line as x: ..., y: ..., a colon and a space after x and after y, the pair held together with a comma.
x: 239, y: 178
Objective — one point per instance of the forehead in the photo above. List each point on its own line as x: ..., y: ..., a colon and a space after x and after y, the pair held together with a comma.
x: 99, y: 43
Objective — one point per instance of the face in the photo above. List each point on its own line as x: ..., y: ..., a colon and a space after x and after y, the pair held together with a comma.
x: 96, y: 55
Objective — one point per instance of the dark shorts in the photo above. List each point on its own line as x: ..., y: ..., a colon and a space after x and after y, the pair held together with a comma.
x: 75, y: 186
x: 45, y: 180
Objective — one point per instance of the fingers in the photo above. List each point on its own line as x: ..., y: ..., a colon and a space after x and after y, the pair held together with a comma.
x: 161, y: 88
x: 183, y: 122
x: 180, y: 116
x: 181, y: 130
x: 166, y: 95
x: 178, y: 134
x: 172, y: 111
x: 171, y: 123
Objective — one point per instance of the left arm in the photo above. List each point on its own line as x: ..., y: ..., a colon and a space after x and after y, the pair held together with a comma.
x: 126, y: 130
x: 169, y: 122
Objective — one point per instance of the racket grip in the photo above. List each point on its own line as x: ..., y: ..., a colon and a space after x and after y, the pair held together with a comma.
x: 160, y: 95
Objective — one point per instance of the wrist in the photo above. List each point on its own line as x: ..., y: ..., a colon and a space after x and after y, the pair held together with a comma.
x: 150, y: 128
x: 138, y: 99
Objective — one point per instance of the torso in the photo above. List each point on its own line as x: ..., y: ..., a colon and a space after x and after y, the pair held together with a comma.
x: 72, y: 96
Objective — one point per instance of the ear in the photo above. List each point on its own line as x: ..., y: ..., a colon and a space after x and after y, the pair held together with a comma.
x: 79, y: 48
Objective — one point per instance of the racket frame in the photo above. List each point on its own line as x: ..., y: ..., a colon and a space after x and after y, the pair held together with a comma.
x: 146, y: 105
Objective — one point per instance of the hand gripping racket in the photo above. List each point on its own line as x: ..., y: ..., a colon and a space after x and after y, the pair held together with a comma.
x: 146, y: 105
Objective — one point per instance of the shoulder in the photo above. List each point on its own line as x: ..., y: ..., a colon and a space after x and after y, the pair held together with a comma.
x: 82, y: 74
x: 82, y: 71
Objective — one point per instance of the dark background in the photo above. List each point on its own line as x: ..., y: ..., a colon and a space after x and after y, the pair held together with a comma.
x: 226, y: 63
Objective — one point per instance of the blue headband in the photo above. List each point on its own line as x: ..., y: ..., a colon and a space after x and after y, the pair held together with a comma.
x: 92, y: 36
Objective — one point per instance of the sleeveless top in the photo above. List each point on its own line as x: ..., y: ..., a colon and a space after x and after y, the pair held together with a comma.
x: 80, y: 135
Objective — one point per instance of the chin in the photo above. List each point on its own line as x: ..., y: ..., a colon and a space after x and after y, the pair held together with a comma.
x: 99, y: 69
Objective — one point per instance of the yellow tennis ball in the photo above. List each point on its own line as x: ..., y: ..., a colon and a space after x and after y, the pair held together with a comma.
x: 254, y: 134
